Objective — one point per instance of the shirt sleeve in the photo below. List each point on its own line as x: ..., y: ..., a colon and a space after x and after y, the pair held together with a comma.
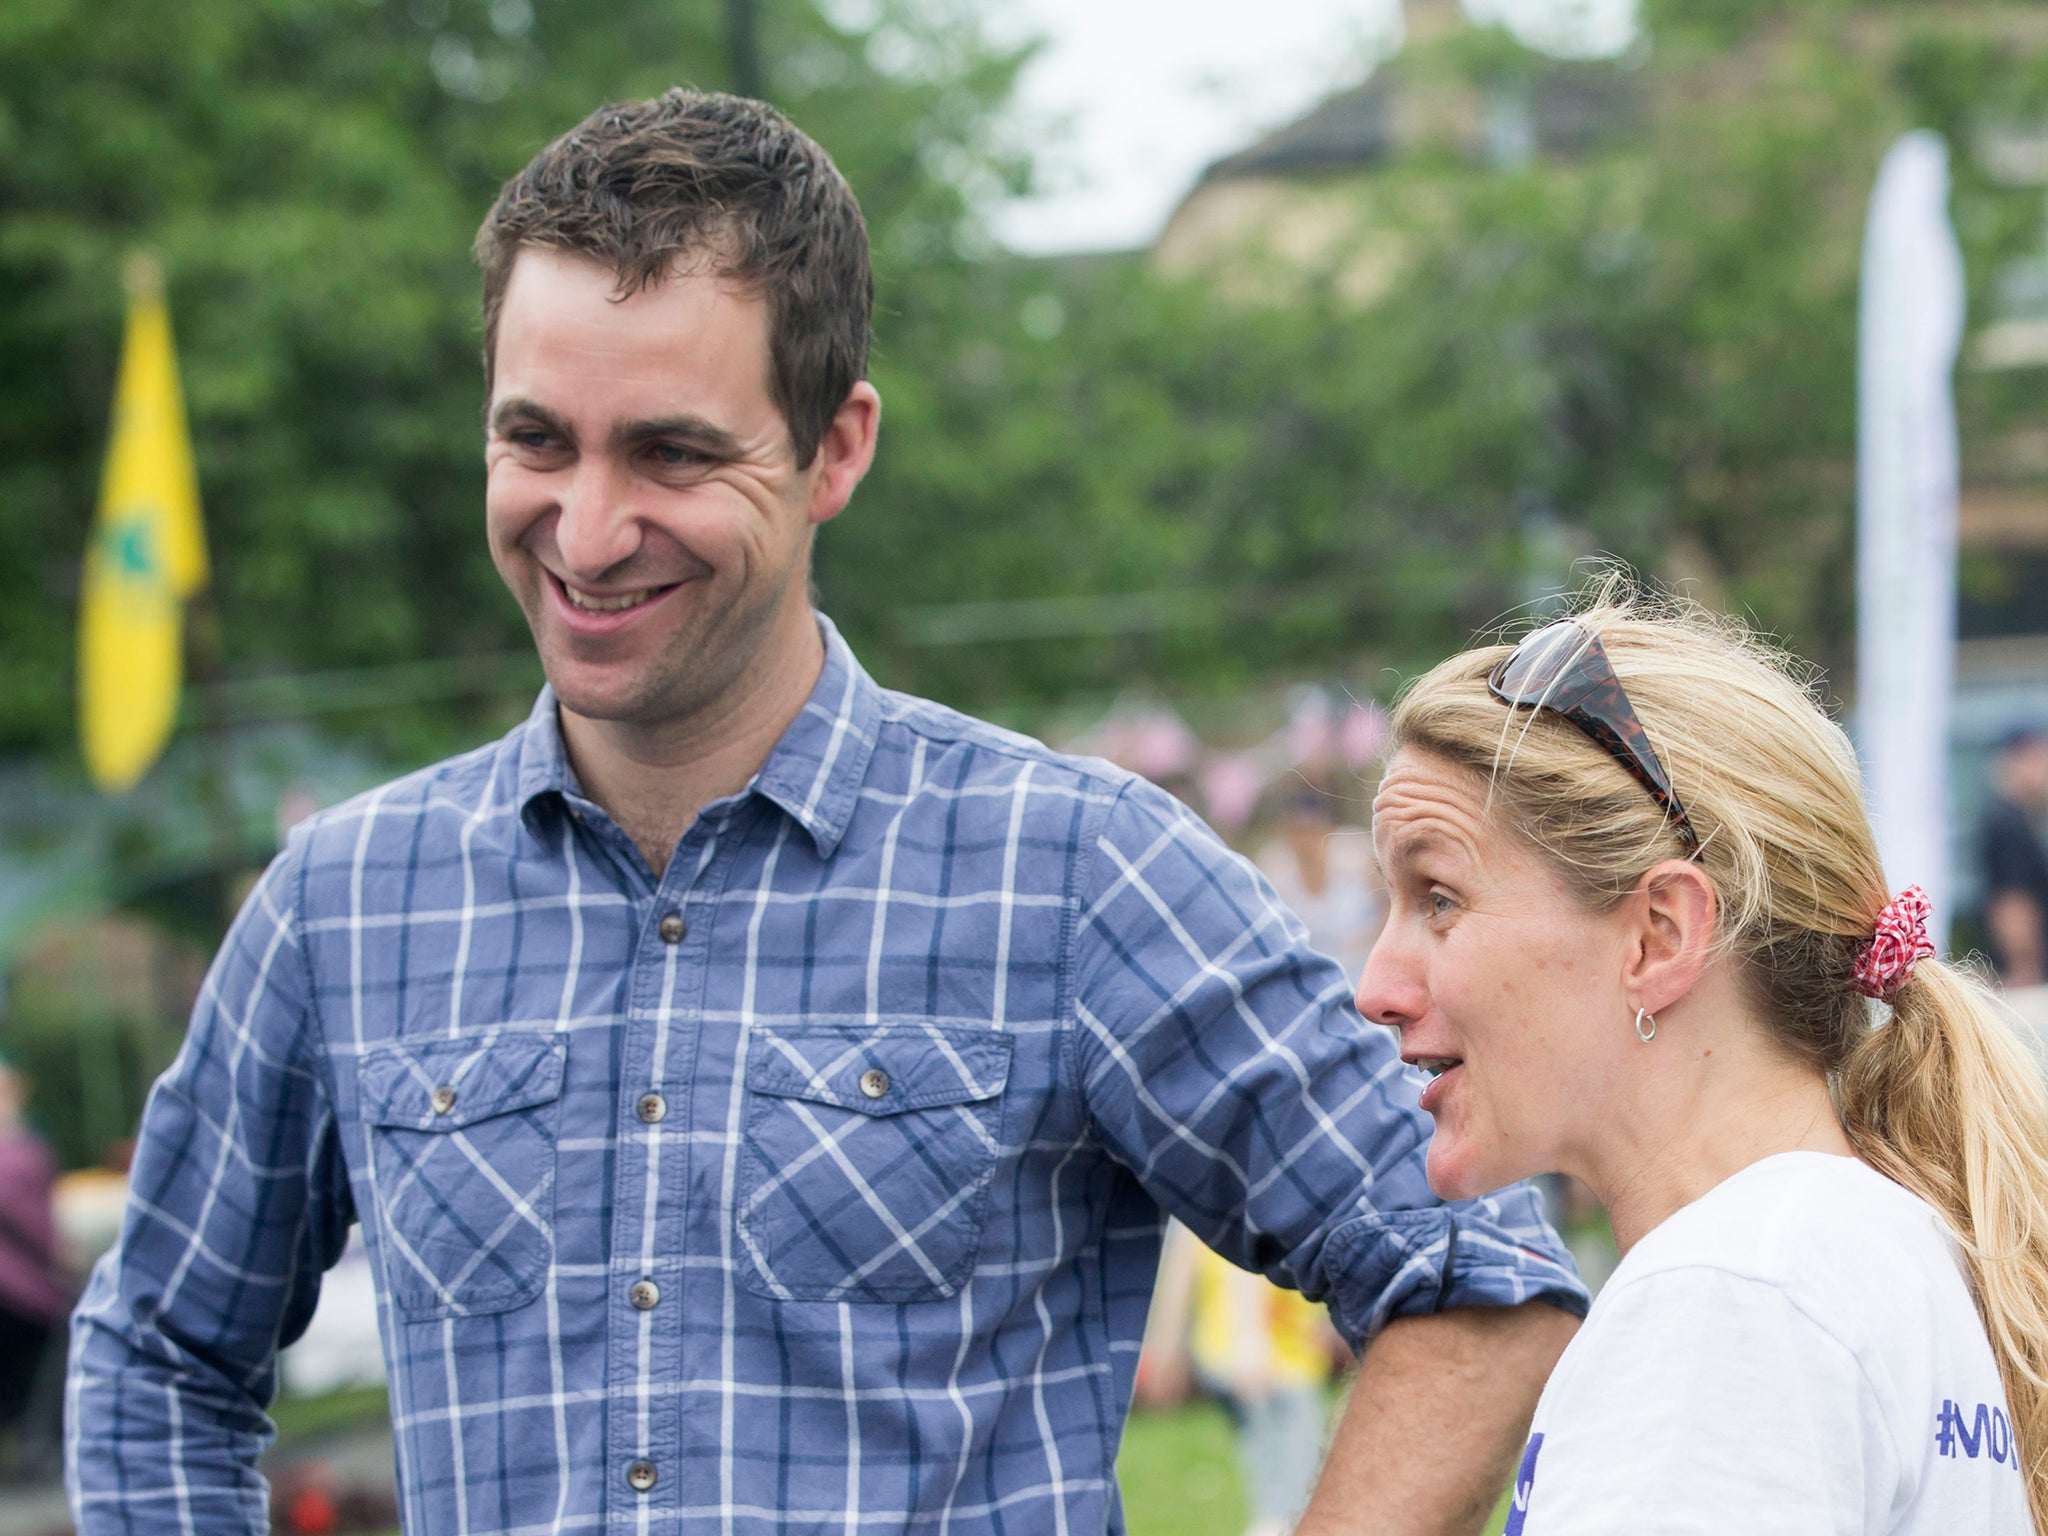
x: 238, y: 1202
x: 1224, y: 1064
x: 1701, y: 1402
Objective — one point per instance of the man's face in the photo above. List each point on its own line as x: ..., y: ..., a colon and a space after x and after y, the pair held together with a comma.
x: 643, y: 499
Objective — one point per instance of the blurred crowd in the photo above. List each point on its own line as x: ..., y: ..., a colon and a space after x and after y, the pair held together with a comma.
x: 35, y: 1290
x: 2009, y: 849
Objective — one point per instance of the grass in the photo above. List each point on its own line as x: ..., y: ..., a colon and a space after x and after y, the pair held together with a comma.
x: 1180, y: 1478
x: 1179, y: 1474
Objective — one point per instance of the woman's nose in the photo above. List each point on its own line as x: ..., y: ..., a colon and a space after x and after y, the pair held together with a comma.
x: 1390, y: 989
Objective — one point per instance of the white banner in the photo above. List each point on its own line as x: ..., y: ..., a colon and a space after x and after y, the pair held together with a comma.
x: 1912, y: 326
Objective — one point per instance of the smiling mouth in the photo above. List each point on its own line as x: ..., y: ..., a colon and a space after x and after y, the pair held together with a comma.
x: 593, y: 602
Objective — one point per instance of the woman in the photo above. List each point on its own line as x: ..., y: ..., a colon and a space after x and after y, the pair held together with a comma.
x: 1636, y: 921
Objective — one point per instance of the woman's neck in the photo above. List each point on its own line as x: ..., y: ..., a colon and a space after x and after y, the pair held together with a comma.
x: 1728, y: 1106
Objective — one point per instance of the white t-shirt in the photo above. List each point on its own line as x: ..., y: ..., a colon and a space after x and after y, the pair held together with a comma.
x: 1794, y: 1352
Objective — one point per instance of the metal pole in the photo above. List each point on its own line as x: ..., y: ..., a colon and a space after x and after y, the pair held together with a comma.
x: 216, y: 743
x: 743, y: 49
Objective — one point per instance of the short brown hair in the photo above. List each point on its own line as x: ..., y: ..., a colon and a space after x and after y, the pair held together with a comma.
x: 644, y: 184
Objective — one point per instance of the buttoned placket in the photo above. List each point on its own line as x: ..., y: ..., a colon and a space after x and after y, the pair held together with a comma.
x: 656, y: 1061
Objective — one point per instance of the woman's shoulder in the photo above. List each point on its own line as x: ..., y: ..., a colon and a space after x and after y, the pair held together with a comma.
x: 1779, y: 1216
x: 1864, y: 1259
x: 1798, y: 1217
x: 1776, y: 1353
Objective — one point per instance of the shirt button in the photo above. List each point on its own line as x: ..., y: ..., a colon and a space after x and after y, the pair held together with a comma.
x: 651, y: 1108
x: 644, y: 1295
x: 874, y: 1082
x: 640, y: 1476
x: 443, y: 1100
x: 672, y: 928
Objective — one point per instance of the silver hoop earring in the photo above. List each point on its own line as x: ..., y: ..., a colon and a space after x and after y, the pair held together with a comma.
x: 1642, y: 1034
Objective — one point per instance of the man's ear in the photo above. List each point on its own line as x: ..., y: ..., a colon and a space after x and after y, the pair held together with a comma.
x: 1674, y: 909
x: 845, y: 451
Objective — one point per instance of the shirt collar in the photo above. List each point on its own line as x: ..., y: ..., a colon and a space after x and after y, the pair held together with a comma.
x: 814, y: 773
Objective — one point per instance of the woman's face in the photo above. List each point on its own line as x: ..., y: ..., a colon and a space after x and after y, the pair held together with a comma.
x: 1498, y: 980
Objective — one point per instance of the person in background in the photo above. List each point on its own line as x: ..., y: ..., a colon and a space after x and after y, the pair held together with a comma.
x: 1264, y: 1353
x: 1323, y: 873
x: 2015, y: 868
x: 32, y: 1298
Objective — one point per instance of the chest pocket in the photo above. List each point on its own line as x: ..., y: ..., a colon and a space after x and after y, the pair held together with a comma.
x: 462, y: 1137
x: 869, y: 1151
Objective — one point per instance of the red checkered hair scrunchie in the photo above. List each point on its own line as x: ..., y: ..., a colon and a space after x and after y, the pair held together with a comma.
x: 1883, y: 964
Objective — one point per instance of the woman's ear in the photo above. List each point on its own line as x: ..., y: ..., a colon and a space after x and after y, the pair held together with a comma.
x: 1673, y: 910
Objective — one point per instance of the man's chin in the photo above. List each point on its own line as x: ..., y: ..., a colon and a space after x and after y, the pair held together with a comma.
x: 608, y: 694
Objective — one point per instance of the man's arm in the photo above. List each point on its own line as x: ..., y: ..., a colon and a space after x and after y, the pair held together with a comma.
x: 2015, y: 921
x: 237, y: 1203
x: 1224, y: 1065
x: 1435, y: 1420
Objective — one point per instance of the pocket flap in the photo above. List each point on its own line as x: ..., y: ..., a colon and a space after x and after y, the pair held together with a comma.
x: 879, y: 1069
x: 444, y: 1085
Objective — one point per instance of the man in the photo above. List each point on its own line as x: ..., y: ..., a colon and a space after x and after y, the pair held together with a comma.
x: 760, y: 1090
x: 2015, y: 870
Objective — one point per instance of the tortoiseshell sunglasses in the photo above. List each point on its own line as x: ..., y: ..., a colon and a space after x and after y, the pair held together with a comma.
x: 1563, y: 668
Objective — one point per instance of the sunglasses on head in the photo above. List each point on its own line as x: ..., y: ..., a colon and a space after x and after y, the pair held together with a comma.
x: 1563, y: 668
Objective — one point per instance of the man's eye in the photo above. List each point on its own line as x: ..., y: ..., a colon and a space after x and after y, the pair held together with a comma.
x: 531, y: 438
x: 674, y: 455
x: 1439, y: 903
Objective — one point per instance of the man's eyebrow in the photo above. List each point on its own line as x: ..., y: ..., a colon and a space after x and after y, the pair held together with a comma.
x: 695, y: 430
x: 505, y: 412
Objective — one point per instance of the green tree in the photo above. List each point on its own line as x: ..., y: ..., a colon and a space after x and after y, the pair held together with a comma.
x: 1649, y: 352
x: 311, y: 172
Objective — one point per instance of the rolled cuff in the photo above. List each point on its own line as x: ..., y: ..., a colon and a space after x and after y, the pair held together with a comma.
x: 1495, y: 1252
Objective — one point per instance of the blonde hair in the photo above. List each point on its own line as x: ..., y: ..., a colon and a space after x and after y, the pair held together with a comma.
x: 1943, y: 1097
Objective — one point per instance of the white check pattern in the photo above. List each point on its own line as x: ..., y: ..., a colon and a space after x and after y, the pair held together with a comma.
x: 834, y: 1207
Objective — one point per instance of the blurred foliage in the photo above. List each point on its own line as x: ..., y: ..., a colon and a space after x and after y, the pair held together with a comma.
x: 1649, y: 351
x: 312, y: 173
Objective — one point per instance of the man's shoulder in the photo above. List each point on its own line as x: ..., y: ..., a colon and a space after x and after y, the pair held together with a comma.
x: 990, y: 754
x: 456, y: 799
x: 996, y: 782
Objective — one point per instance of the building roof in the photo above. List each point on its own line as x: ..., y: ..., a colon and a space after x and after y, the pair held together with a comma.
x: 1559, y: 109
x: 1351, y: 129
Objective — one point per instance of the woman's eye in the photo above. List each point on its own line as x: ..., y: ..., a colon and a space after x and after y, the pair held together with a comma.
x: 1439, y: 903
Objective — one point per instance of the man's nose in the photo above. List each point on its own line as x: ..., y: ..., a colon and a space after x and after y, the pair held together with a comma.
x: 596, y: 527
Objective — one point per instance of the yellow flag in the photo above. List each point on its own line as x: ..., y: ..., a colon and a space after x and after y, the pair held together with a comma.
x: 148, y: 554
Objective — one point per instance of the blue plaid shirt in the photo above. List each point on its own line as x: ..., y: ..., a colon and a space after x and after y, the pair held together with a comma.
x: 814, y: 1184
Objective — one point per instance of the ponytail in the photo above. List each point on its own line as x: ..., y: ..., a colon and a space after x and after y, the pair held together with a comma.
x: 1945, y: 1099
